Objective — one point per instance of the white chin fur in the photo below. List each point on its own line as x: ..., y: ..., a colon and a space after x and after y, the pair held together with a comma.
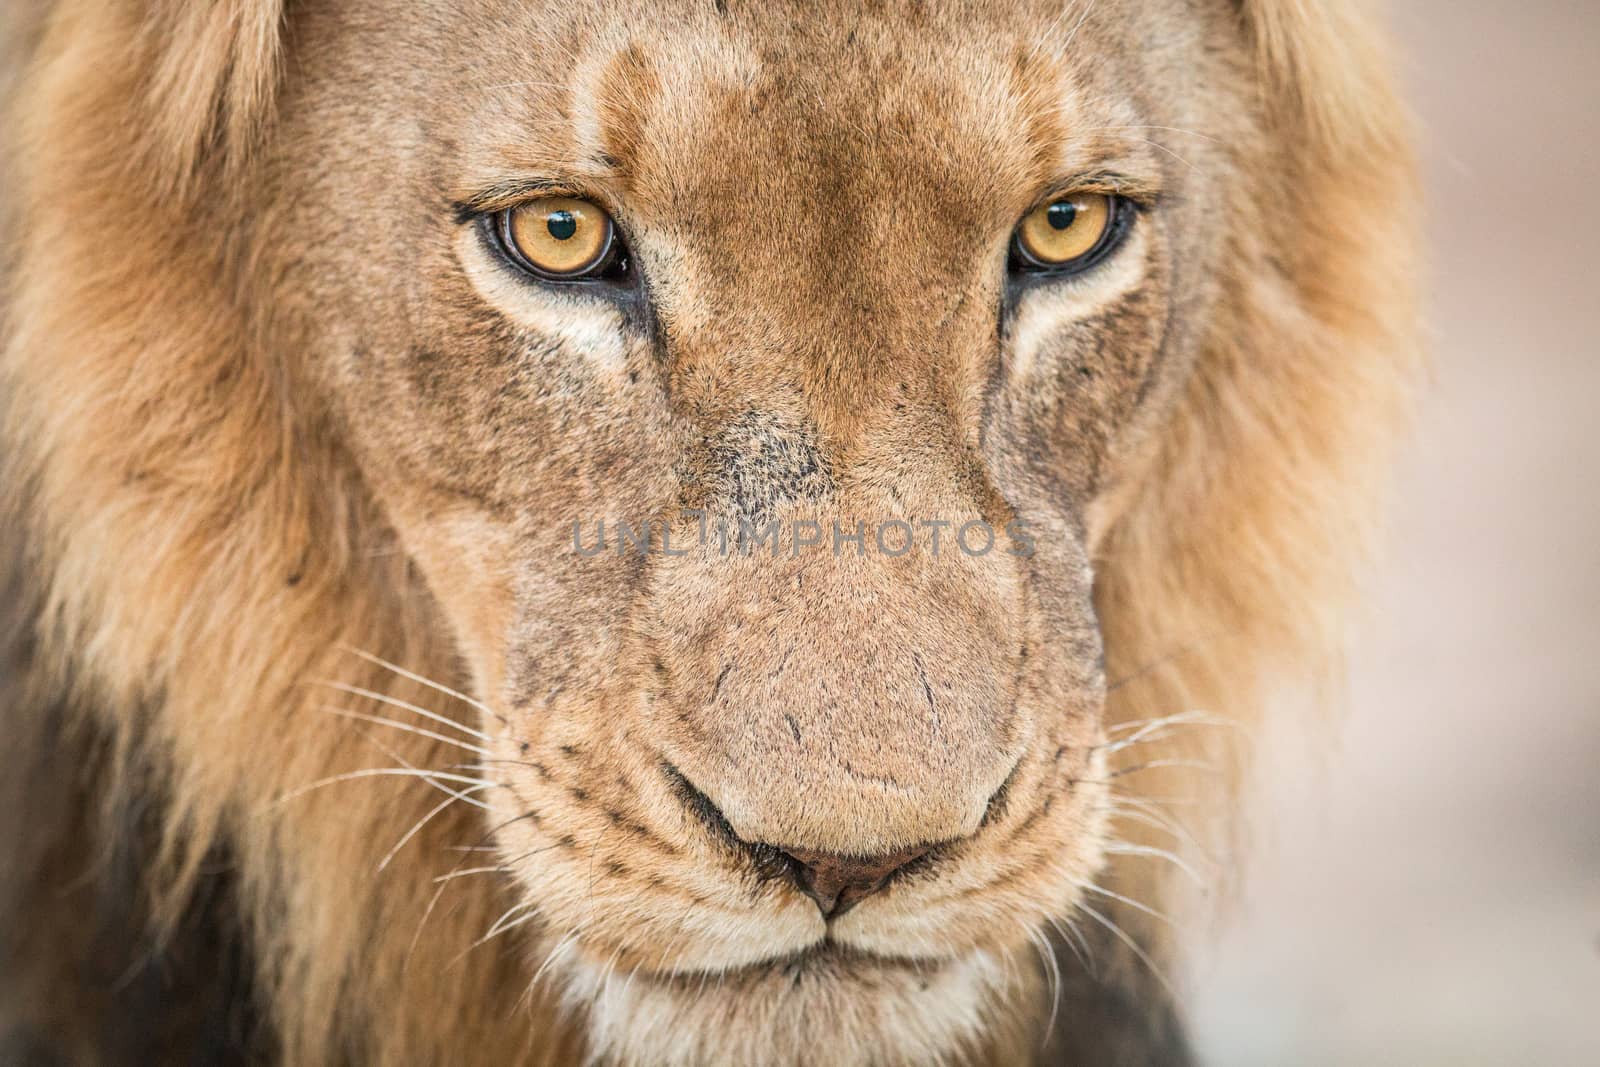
x: 824, y: 1016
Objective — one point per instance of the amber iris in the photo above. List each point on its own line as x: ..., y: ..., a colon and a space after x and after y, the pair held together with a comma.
x: 559, y: 237
x: 1067, y: 231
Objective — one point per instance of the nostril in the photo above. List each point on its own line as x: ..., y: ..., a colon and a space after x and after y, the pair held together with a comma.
x: 837, y: 883
x: 995, y: 808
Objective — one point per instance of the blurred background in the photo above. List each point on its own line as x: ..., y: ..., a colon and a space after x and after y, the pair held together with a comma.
x: 1427, y: 890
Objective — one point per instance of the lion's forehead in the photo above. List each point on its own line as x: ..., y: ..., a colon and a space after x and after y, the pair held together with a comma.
x: 739, y: 123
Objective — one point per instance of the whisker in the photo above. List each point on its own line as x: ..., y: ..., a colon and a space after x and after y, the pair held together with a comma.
x: 429, y: 682
x: 465, y: 794
x: 1159, y: 147
x: 1042, y: 40
x: 1160, y: 801
x: 1148, y: 728
x: 499, y: 924
x: 567, y: 939
x: 1131, y: 809
x: 1182, y: 718
x: 444, y: 882
x: 1074, y: 939
x: 497, y: 869
x: 1134, y: 946
x: 434, y: 772
x: 433, y: 902
x: 1123, y: 848
x: 378, y: 720
x: 1088, y: 10
x: 379, y: 772
x: 384, y: 698
x: 605, y: 981
x: 502, y: 925
x: 1129, y: 901
x: 594, y: 851
x: 1052, y: 977
x: 1158, y: 764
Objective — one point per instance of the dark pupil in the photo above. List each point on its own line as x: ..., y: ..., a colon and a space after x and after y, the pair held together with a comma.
x: 562, y: 224
x: 1061, y: 214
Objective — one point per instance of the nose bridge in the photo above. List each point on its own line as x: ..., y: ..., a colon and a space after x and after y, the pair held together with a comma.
x: 853, y: 695
x: 898, y: 365
x: 880, y: 425
x: 888, y: 401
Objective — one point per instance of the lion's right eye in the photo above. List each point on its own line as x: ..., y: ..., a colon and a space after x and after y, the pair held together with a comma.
x: 558, y: 238
x: 1070, y: 234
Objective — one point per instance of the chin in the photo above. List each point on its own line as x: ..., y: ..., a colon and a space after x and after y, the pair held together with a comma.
x: 829, y: 1004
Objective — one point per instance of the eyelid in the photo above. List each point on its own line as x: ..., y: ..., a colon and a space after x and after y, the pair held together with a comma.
x: 515, y: 192
x: 1141, y: 194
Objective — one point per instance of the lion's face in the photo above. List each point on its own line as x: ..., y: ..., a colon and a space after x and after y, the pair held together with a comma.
x: 770, y: 776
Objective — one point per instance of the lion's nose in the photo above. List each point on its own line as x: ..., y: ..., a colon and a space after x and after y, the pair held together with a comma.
x: 837, y: 883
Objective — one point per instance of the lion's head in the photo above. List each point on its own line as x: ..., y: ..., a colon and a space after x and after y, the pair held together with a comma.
x: 777, y: 471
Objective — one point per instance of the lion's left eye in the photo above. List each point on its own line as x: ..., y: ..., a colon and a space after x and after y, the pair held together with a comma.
x: 558, y: 238
x: 1070, y: 234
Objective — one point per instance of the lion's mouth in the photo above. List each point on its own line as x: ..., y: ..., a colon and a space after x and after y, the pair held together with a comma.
x: 825, y: 960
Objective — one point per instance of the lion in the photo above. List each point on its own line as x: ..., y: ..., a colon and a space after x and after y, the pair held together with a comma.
x: 342, y: 340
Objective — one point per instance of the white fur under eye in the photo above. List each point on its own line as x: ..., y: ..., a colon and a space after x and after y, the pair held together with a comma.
x: 577, y: 320
x: 1053, y: 304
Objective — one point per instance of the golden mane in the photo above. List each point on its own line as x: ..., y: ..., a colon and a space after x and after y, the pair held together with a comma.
x: 199, y: 553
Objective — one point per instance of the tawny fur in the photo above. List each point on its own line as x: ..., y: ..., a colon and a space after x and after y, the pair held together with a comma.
x: 214, y: 527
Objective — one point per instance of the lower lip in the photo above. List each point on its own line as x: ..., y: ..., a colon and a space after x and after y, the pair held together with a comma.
x: 823, y: 956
